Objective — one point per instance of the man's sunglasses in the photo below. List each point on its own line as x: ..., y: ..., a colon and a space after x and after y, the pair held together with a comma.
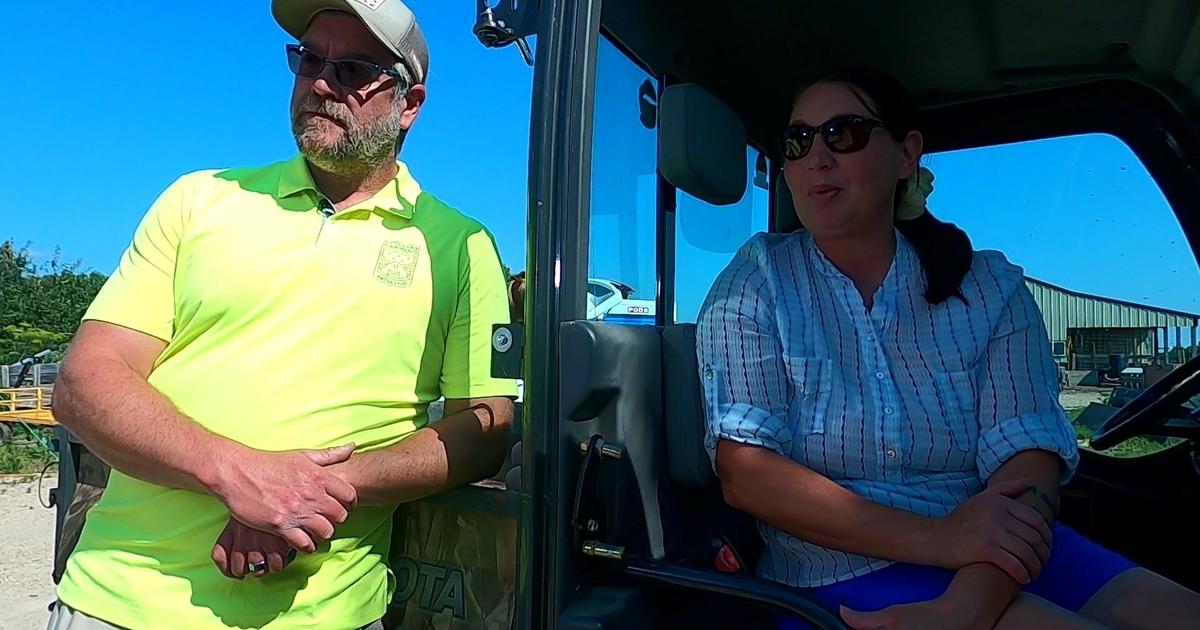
x: 352, y: 74
x: 842, y: 134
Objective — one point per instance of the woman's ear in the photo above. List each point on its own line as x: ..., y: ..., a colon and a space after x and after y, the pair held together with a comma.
x: 910, y: 153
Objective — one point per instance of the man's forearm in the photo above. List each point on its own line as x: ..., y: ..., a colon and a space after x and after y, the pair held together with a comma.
x: 130, y: 425
x: 461, y: 448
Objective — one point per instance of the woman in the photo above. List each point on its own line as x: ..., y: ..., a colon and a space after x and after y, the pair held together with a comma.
x: 882, y: 398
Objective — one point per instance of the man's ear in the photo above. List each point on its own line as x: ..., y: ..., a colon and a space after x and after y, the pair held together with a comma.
x: 413, y: 101
x: 910, y: 153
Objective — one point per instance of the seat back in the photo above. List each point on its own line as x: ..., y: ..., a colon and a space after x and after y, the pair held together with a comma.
x: 699, y: 522
x: 702, y: 151
x: 784, y: 207
x: 683, y: 409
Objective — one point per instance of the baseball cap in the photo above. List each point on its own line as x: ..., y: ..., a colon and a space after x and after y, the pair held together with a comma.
x: 391, y: 21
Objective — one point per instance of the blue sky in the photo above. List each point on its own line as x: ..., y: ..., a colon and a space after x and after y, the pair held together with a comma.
x: 118, y: 104
x: 115, y: 104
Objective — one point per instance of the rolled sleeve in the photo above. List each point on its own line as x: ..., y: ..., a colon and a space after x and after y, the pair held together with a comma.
x: 1024, y: 433
x: 1018, y: 390
x: 747, y: 424
x: 746, y: 390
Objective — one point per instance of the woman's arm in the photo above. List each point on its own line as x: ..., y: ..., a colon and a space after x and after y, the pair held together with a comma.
x: 1025, y: 437
x: 984, y: 589
x: 747, y: 392
x: 990, y: 529
x: 1042, y: 471
x: 810, y: 506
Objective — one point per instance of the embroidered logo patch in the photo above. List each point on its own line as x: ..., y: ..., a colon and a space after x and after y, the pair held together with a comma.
x: 397, y: 264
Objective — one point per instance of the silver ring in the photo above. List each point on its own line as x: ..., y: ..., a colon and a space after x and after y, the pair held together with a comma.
x: 255, y: 567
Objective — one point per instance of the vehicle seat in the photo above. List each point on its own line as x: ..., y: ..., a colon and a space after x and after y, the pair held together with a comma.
x: 711, y: 523
x: 657, y: 506
x: 701, y: 151
x: 784, y: 207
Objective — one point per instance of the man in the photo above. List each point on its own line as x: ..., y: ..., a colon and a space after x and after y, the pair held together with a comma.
x: 258, y: 369
x: 516, y: 298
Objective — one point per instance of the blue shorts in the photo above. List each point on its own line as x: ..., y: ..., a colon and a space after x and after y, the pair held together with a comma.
x: 1077, y: 569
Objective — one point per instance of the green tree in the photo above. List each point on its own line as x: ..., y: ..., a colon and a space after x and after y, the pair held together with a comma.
x: 22, y: 340
x: 41, y: 305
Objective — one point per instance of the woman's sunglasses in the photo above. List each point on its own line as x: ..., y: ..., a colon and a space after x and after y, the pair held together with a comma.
x: 842, y: 134
x: 352, y: 74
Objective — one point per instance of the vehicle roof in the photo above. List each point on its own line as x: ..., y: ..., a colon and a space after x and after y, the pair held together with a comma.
x: 755, y: 55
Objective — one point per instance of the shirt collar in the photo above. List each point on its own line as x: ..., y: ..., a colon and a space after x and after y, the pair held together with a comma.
x: 397, y: 198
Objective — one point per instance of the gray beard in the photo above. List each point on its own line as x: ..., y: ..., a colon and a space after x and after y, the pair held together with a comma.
x: 360, y: 149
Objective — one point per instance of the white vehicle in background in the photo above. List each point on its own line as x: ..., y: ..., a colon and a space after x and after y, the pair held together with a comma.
x: 609, y: 300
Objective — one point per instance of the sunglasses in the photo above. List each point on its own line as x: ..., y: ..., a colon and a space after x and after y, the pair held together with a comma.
x: 842, y: 134
x: 352, y: 74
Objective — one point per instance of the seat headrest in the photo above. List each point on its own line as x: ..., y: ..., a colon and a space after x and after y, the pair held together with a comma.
x: 683, y: 408
x: 786, y: 220
x: 701, y: 145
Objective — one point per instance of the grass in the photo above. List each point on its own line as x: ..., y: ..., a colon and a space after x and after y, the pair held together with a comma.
x: 1133, y: 447
x: 24, y: 454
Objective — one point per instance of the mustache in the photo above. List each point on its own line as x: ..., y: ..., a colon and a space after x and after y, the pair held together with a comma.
x: 325, y: 107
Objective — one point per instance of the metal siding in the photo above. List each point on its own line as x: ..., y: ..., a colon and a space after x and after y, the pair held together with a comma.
x: 1062, y: 311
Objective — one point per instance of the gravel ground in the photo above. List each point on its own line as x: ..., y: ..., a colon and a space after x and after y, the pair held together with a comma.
x: 26, y: 554
x: 1078, y: 398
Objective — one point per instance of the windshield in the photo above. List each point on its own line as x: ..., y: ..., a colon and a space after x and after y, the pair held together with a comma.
x: 1103, y: 254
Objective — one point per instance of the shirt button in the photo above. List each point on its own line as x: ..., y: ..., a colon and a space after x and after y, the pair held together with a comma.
x: 871, y: 337
x: 891, y: 453
x: 708, y: 374
x: 879, y: 375
x: 888, y: 410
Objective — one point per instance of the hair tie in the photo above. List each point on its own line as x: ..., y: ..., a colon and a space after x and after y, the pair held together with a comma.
x: 916, y: 191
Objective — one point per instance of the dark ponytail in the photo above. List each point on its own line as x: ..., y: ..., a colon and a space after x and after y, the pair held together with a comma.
x: 944, y: 250
x: 945, y: 253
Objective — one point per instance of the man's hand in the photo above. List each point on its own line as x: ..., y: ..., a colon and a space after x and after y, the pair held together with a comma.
x: 290, y: 494
x: 993, y: 527
x: 240, y: 546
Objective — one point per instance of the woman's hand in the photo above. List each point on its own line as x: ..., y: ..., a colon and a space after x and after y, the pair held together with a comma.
x: 993, y: 527
x: 972, y: 602
x: 943, y: 612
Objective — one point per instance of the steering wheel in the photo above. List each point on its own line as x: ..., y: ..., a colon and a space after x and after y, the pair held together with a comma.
x: 1150, y: 409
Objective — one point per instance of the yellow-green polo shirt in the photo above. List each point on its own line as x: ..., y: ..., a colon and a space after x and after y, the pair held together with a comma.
x: 285, y: 329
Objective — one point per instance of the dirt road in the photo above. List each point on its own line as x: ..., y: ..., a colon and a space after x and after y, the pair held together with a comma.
x: 26, y: 554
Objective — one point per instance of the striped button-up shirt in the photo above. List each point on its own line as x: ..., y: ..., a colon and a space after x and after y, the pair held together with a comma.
x: 908, y: 404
